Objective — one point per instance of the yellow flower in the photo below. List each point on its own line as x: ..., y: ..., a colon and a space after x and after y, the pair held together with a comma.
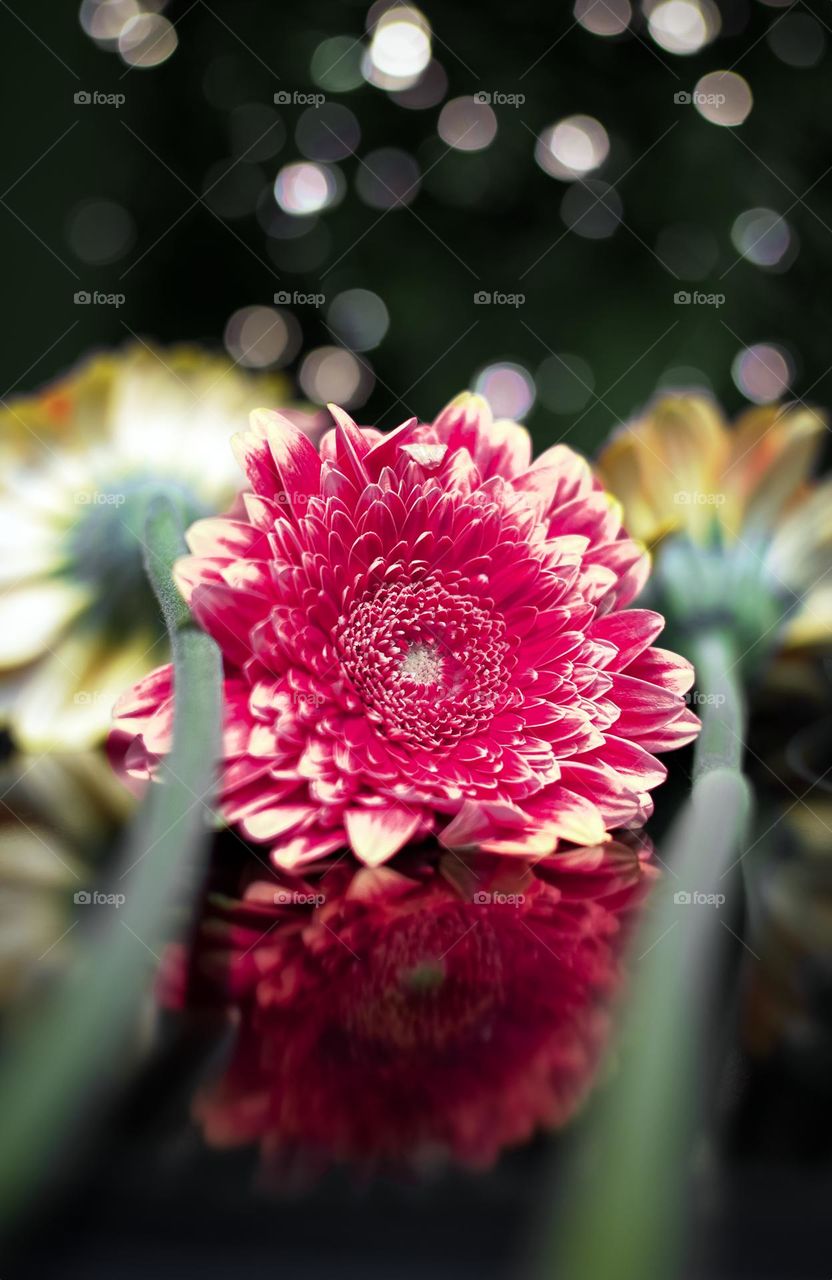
x: 737, y: 526
x: 80, y: 461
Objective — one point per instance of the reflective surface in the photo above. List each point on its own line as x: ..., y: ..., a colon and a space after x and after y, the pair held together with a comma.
x: 439, y: 1011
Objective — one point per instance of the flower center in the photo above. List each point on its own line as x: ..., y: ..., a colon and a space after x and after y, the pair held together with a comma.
x: 422, y: 664
x: 425, y: 983
x: 428, y: 661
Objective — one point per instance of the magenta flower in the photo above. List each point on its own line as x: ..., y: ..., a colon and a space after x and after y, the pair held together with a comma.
x: 424, y: 633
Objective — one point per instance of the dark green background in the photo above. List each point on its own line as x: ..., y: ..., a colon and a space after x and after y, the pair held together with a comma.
x: 608, y: 301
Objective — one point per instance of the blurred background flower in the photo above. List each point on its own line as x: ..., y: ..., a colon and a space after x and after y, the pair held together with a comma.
x: 80, y: 461
x: 741, y: 534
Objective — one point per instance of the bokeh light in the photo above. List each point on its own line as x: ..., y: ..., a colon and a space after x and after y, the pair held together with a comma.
x: 333, y: 375
x: 100, y: 231
x: 797, y: 39
x: 763, y: 237
x: 388, y: 178
x: 304, y: 188
x: 592, y: 209
x: 467, y: 125
x: 104, y: 20
x: 428, y: 91
x: 147, y: 40
x: 603, y: 17
x: 329, y: 132
x: 336, y: 64
x: 508, y: 388
x: 723, y: 97
x: 572, y: 147
x: 261, y: 337
x: 762, y: 372
x: 400, y: 48
x: 359, y: 318
x: 683, y: 26
x: 565, y: 383
x: 280, y: 225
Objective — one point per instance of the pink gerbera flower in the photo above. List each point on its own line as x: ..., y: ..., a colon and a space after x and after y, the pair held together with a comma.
x: 423, y: 633
x: 396, y: 1017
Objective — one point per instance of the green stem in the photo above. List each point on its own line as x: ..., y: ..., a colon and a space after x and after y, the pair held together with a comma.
x: 71, y: 1049
x: 623, y: 1215
x: 720, y: 702
x: 633, y: 1163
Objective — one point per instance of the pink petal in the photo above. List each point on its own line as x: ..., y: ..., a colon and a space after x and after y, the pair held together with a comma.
x: 297, y: 461
x: 631, y: 631
x: 376, y: 834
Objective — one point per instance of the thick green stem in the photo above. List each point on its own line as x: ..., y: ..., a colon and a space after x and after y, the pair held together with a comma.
x: 70, y: 1050
x: 720, y: 702
x: 634, y: 1158
x: 623, y: 1211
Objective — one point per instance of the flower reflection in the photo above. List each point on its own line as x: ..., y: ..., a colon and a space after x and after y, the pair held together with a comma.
x: 404, y: 1018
